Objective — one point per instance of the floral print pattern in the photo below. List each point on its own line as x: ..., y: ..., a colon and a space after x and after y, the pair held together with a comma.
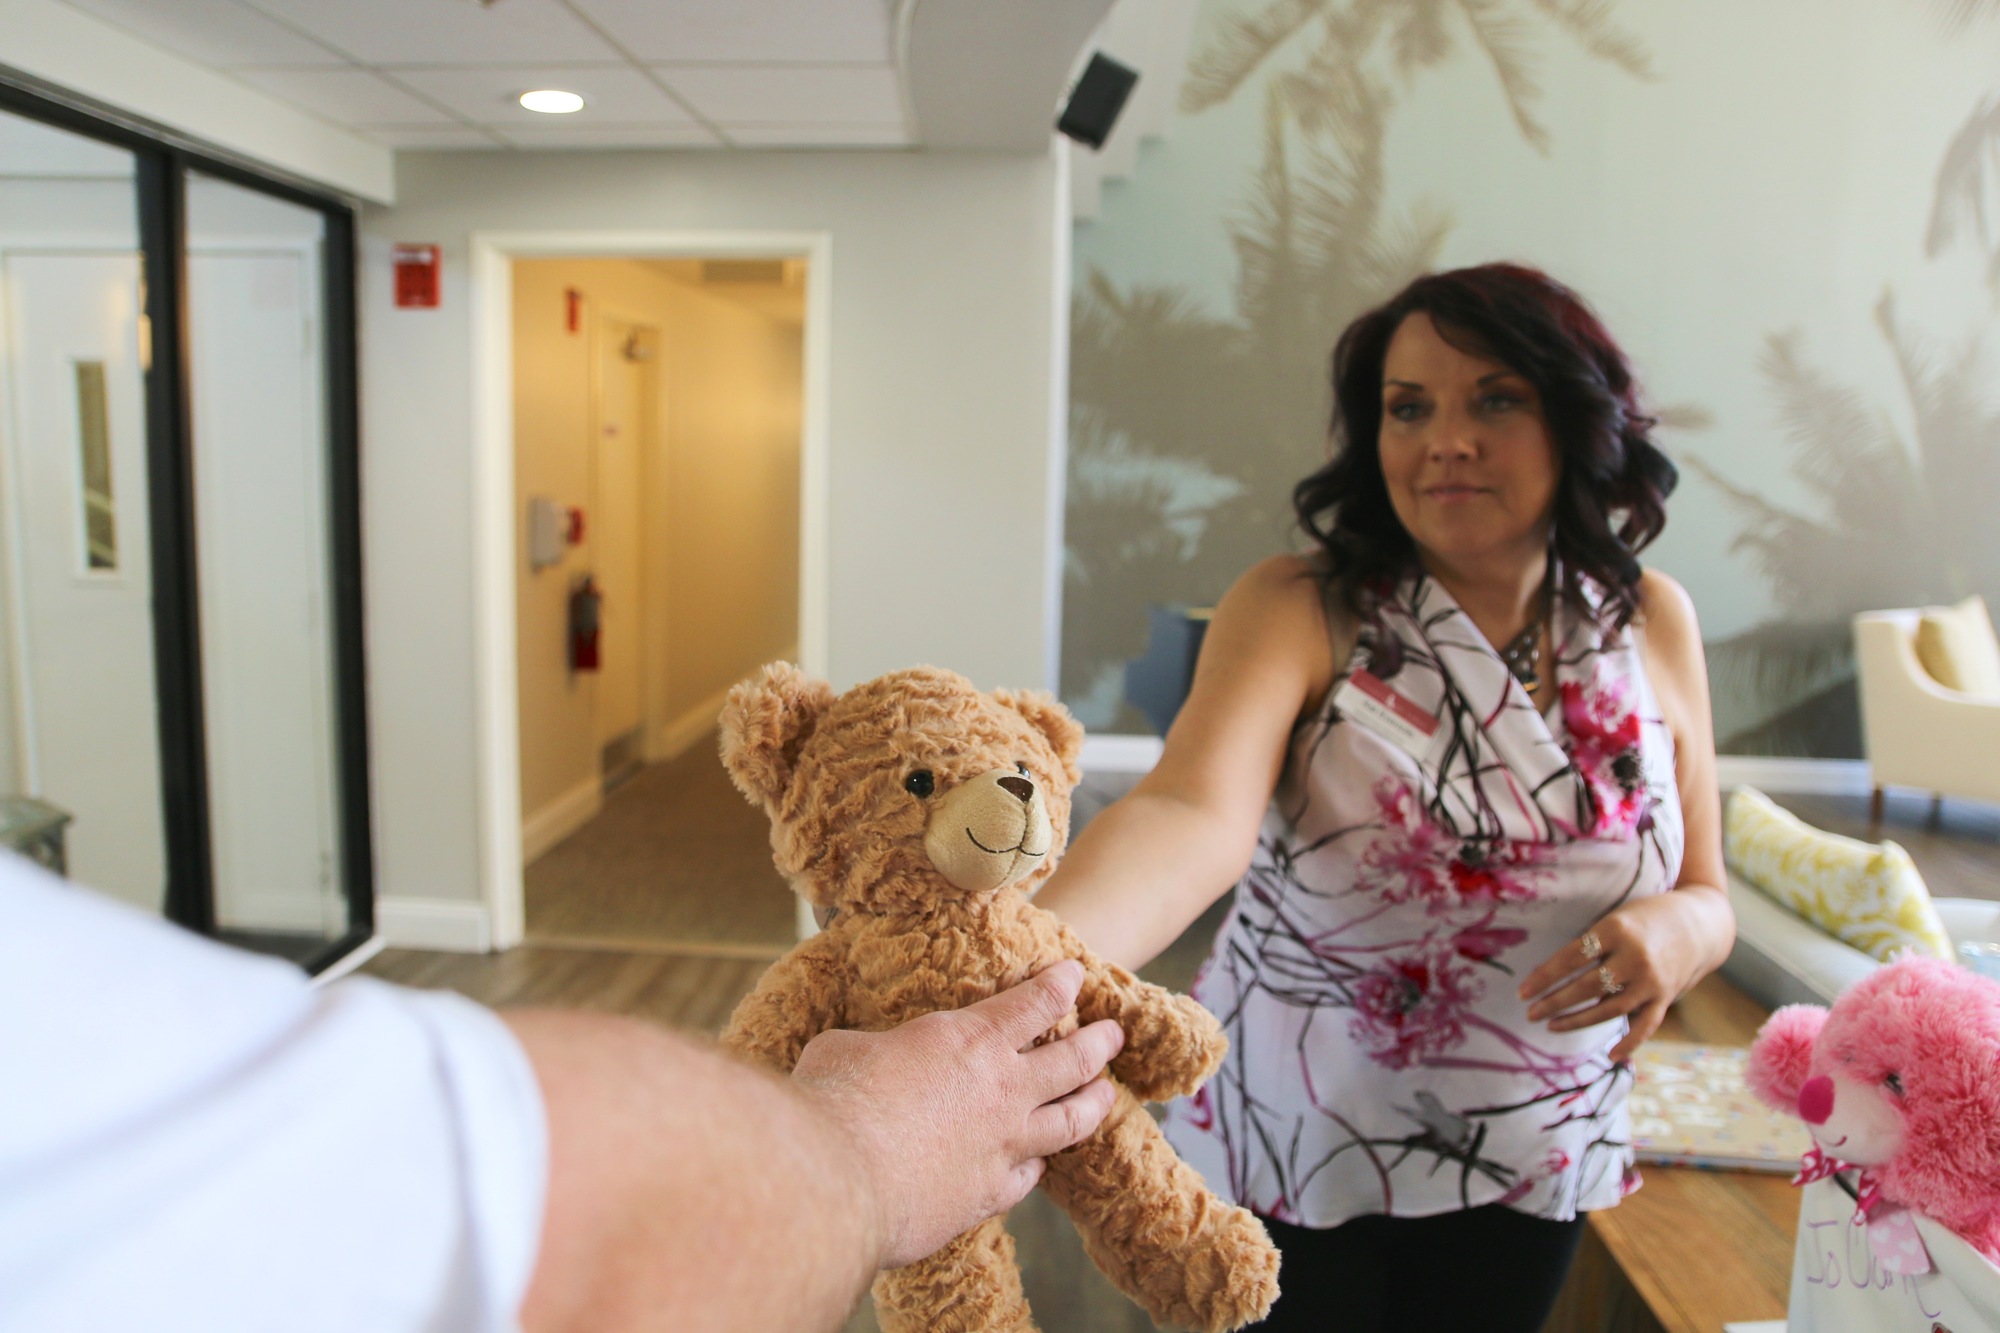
x: 1412, y: 1007
x: 1603, y: 728
x: 1380, y: 1059
x: 1416, y: 861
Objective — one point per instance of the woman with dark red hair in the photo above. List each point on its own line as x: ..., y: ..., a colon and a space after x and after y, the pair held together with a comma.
x: 1457, y: 763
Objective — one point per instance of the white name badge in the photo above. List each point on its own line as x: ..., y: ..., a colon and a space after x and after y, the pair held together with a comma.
x: 1364, y: 698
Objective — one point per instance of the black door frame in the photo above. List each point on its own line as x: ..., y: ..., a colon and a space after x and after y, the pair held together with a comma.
x: 164, y: 160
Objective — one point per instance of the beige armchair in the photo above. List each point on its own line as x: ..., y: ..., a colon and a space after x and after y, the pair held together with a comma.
x: 1919, y: 733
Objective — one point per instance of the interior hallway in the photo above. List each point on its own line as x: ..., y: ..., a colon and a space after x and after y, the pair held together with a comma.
x: 677, y: 860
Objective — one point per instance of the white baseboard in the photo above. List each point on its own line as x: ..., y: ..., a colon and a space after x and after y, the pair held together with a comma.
x: 1820, y: 777
x: 678, y: 735
x: 688, y: 730
x: 561, y: 817
x: 451, y: 925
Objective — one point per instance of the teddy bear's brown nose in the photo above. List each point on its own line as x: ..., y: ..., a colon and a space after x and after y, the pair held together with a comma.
x: 1021, y: 787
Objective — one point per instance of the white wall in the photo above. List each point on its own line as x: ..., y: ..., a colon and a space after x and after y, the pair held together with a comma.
x: 73, y: 50
x: 944, y: 378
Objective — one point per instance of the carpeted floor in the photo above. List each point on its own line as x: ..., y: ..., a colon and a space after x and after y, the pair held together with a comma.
x: 677, y: 860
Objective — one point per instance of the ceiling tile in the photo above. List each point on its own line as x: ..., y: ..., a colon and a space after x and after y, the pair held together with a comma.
x: 429, y: 136
x: 444, y: 32
x: 818, y: 136
x: 788, y: 95
x: 218, y: 33
x: 612, y: 94
x: 748, y: 30
x: 608, y: 136
x: 346, y: 96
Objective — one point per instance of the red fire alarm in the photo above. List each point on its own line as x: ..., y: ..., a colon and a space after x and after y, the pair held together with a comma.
x: 573, y: 308
x: 416, y: 276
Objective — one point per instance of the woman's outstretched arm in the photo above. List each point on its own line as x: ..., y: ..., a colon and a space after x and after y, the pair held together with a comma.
x: 1152, y: 862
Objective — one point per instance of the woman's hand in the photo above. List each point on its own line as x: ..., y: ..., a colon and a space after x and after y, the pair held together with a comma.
x: 1632, y: 964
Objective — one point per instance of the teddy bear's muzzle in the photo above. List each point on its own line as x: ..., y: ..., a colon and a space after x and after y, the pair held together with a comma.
x: 1849, y: 1120
x: 989, y: 831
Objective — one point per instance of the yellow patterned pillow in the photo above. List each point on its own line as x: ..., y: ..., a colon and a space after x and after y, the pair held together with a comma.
x: 1865, y: 894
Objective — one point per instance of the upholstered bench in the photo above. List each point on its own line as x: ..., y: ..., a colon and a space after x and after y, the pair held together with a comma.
x: 1781, y: 958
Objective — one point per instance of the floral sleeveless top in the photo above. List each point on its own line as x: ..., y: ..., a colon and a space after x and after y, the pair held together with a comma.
x: 1379, y: 1060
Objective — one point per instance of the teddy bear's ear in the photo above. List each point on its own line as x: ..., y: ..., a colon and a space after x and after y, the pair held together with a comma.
x: 1781, y: 1056
x: 1047, y: 715
x: 765, y: 724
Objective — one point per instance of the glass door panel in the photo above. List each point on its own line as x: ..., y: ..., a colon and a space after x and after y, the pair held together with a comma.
x: 79, y: 719
x: 257, y: 380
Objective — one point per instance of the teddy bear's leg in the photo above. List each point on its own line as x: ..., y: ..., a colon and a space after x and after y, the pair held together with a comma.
x: 1156, y: 1231
x: 972, y: 1285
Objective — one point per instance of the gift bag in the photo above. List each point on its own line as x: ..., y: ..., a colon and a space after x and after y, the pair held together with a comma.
x: 1893, y: 1273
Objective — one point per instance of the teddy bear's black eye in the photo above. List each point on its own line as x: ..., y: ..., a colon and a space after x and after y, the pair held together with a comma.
x: 1893, y: 1082
x: 920, y: 783
x: 1021, y: 768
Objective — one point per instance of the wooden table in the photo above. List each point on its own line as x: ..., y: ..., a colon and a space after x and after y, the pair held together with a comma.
x: 1692, y: 1249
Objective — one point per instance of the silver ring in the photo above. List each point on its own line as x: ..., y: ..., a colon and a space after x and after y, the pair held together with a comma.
x: 1590, y: 944
x: 1610, y: 984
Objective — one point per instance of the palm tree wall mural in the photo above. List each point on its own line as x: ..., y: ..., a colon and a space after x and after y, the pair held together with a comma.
x: 1353, y: 143
x: 1968, y: 180
x: 1188, y: 428
x: 1902, y: 521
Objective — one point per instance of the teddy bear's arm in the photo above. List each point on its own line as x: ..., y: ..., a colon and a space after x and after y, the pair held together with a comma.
x: 1172, y: 1044
x: 799, y: 997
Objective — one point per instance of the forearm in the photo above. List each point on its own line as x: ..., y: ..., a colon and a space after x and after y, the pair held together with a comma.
x: 687, y: 1190
x: 1708, y: 924
x: 1141, y: 872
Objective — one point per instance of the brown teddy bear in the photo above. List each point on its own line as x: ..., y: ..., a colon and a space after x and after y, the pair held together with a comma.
x: 916, y: 815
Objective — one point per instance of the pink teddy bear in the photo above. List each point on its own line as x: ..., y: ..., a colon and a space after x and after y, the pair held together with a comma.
x: 1901, y: 1078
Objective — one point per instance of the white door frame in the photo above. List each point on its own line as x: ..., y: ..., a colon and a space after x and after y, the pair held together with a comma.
x: 495, y: 686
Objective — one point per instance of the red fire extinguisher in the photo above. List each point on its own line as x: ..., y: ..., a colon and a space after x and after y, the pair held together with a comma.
x: 586, y: 606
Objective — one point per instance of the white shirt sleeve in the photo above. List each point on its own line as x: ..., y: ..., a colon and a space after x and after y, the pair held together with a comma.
x: 193, y: 1138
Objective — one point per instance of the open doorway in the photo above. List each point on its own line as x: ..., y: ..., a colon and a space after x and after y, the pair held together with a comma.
x: 659, y: 415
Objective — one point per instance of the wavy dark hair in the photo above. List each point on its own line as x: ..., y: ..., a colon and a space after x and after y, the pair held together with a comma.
x: 1613, y: 481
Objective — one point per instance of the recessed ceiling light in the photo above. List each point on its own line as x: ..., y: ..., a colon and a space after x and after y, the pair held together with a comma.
x: 553, y: 101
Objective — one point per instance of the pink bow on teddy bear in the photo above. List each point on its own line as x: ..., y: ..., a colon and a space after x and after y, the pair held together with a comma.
x: 1901, y: 1079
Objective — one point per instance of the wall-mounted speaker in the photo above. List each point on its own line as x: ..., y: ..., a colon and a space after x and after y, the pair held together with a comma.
x: 1096, y: 100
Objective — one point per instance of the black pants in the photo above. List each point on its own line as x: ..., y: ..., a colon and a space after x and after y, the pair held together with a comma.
x: 1488, y: 1269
